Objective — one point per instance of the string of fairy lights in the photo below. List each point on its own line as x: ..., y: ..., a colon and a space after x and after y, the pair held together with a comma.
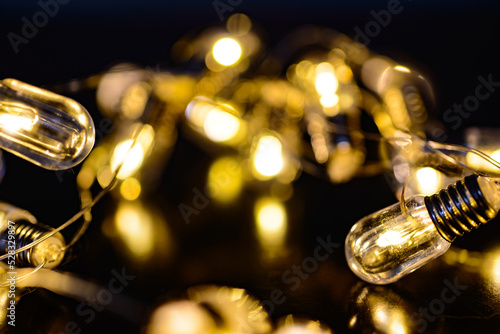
x: 268, y: 116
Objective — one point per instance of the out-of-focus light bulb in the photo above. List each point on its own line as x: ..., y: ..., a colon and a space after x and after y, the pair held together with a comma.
x: 225, y: 179
x: 329, y: 100
x: 268, y: 160
x: 130, y: 153
x: 131, y: 158
x: 291, y: 325
x: 49, y: 130
x: 227, y: 51
x: 219, y: 122
x: 389, y: 244
x: 135, y: 227
x: 235, y: 310
x: 23, y: 226
x: 326, y: 82
x: 271, y: 222
x: 221, y: 126
x: 429, y: 180
x: 181, y: 317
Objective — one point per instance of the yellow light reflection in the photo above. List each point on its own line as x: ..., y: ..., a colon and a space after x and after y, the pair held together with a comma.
x: 326, y: 82
x: 271, y: 222
x: 225, y: 179
x: 429, y: 180
x: 227, y: 51
x: 390, y: 320
x: 221, y: 126
x: 130, y: 188
x: 268, y: 160
x: 402, y: 68
x: 135, y: 227
x: 181, y: 317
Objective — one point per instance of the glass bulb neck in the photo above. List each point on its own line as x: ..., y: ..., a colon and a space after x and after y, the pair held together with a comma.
x: 459, y: 208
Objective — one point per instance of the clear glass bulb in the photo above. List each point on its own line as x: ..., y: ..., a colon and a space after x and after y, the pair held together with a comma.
x: 47, y: 129
x: 389, y: 244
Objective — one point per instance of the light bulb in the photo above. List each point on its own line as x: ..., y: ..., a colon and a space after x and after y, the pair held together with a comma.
x: 19, y: 228
x: 389, y: 244
x: 45, y: 128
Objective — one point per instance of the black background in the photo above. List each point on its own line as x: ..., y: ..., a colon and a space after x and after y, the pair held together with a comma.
x: 451, y: 43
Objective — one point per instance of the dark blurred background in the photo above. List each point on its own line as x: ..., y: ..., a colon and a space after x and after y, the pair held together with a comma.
x: 450, y: 42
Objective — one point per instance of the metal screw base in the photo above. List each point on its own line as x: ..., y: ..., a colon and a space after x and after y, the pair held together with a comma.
x: 459, y: 208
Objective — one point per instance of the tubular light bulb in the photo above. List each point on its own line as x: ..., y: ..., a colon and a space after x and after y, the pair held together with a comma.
x: 389, y: 244
x: 47, y: 129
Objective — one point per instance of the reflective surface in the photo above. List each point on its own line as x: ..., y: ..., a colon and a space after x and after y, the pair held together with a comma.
x: 458, y: 293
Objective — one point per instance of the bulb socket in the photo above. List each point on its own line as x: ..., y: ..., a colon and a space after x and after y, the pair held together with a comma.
x: 49, y: 251
x: 459, y: 208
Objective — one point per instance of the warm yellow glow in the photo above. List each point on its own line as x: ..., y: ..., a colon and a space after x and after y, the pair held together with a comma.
x: 271, y: 221
x: 104, y: 176
x: 329, y: 100
x: 198, y: 110
x: 135, y: 227
x: 239, y: 24
x: 130, y: 188
x: 481, y: 164
x: 181, y: 317
x: 491, y: 266
x: 429, y: 180
x: 225, y: 179
x: 227, y: 51
x: 392, y: 238
x: 221, y: 126
x: 218, y: 121
x: 131, y: 158
x: 134, y: 100
x: 16, y: 122
x: 390, y: 320
x: 268, y: 158
x: 326, y: 82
